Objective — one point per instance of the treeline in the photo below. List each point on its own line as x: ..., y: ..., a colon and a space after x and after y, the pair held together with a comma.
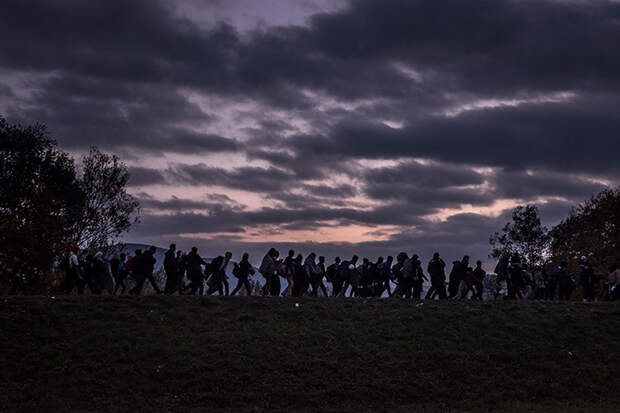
x: 49, y: 202
x: 591, y: 230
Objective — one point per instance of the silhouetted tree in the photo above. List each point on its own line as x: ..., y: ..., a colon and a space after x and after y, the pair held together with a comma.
x: 592, y: 229
x: 46, y: 207
x: 39, y: 193
x: 525, y: 235
x: 108, y: 210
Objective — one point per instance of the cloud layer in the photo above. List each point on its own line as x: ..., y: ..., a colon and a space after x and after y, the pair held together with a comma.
x: 376, y: 126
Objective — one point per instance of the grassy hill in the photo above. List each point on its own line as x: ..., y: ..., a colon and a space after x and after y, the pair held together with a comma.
x: 253, y: 354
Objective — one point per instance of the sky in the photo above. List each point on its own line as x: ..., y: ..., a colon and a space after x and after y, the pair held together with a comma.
x: 334, y: 127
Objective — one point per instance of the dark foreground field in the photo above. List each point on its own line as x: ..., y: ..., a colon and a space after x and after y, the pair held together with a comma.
x: 240, y: 354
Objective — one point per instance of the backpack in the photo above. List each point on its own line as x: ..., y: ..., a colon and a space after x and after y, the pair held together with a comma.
x: 129, y: 264
x: 236, y: 270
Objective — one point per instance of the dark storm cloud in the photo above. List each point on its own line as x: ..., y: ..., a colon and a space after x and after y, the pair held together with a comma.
x: 578, y: 136
x: 246, y: 178
x: 546, y: 45
x: 519, y: 184
x: 424, y: 176
x: 139, y: 176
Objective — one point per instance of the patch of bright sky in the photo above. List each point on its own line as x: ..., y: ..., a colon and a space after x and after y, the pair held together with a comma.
x: 407, y: 71
x: 479, y: 104
x: 322, y: 234
x: 247, y: 15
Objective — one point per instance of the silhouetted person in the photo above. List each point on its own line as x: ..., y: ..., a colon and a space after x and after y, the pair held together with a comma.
x: 566, y: 284
x: 289, y: 272
x: 71, y: 266
x: 478, y: 278
x: 218, y: 280
x: 317, y: 279
x: 315, y: 273
x: 403, y: 270
x: 122, y: 274
x: 244, y: 270
x: 516, y: 284
x: 455, y: 281
x: 350, y: 275
x: 301, y: 279
x: 194, y: 272
x: 384, y: 273
x: 418, y: 278
x: 171, y: 269
x: 146, y: 272
x: 587, y: 279
x: 436, y: 270
x: 334, y: 277
x: 269, y: 269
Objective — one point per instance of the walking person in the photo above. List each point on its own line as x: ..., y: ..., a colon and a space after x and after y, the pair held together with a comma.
x: 243, y: 271
x: 121, y: 274
x: 436, y: 270
x: 316, y: 279
x: 289, y: 273
x: 217, y: 280
x: 171, y: 269
x: 269, y: 269
x: 146, y: 269
x: 195, y: 275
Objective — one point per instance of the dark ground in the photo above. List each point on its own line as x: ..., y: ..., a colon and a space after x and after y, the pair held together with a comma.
x: 253, y: 354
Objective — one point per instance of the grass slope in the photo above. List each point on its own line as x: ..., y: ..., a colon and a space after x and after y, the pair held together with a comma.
x: 256, y: 354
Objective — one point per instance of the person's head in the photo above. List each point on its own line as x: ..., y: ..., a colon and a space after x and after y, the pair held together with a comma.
x: 152, y: 250
x: 173, y: 247
x: 299, y: 258
x: 401, y: 257
x: 138, y: 252
x: 354, y: 258
x: 194, y: 250
x: 228, y: 255
x: 276, y: 254
x: 123, y: 256
x: 246, y: 256
x: 291, y: 253
x: 436, y: 256
x: 414, y: 257
x: 312, y: 256
x: 179, y: 253
x: 337, y: 260
x: 379, y: 260
x: 466, y: 258
x: 321, y: 259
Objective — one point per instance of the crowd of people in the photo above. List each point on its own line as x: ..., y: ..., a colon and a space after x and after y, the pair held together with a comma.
x: 405, y: 277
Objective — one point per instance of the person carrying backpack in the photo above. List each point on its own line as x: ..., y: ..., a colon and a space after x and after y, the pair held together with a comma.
x: 242, y: 271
